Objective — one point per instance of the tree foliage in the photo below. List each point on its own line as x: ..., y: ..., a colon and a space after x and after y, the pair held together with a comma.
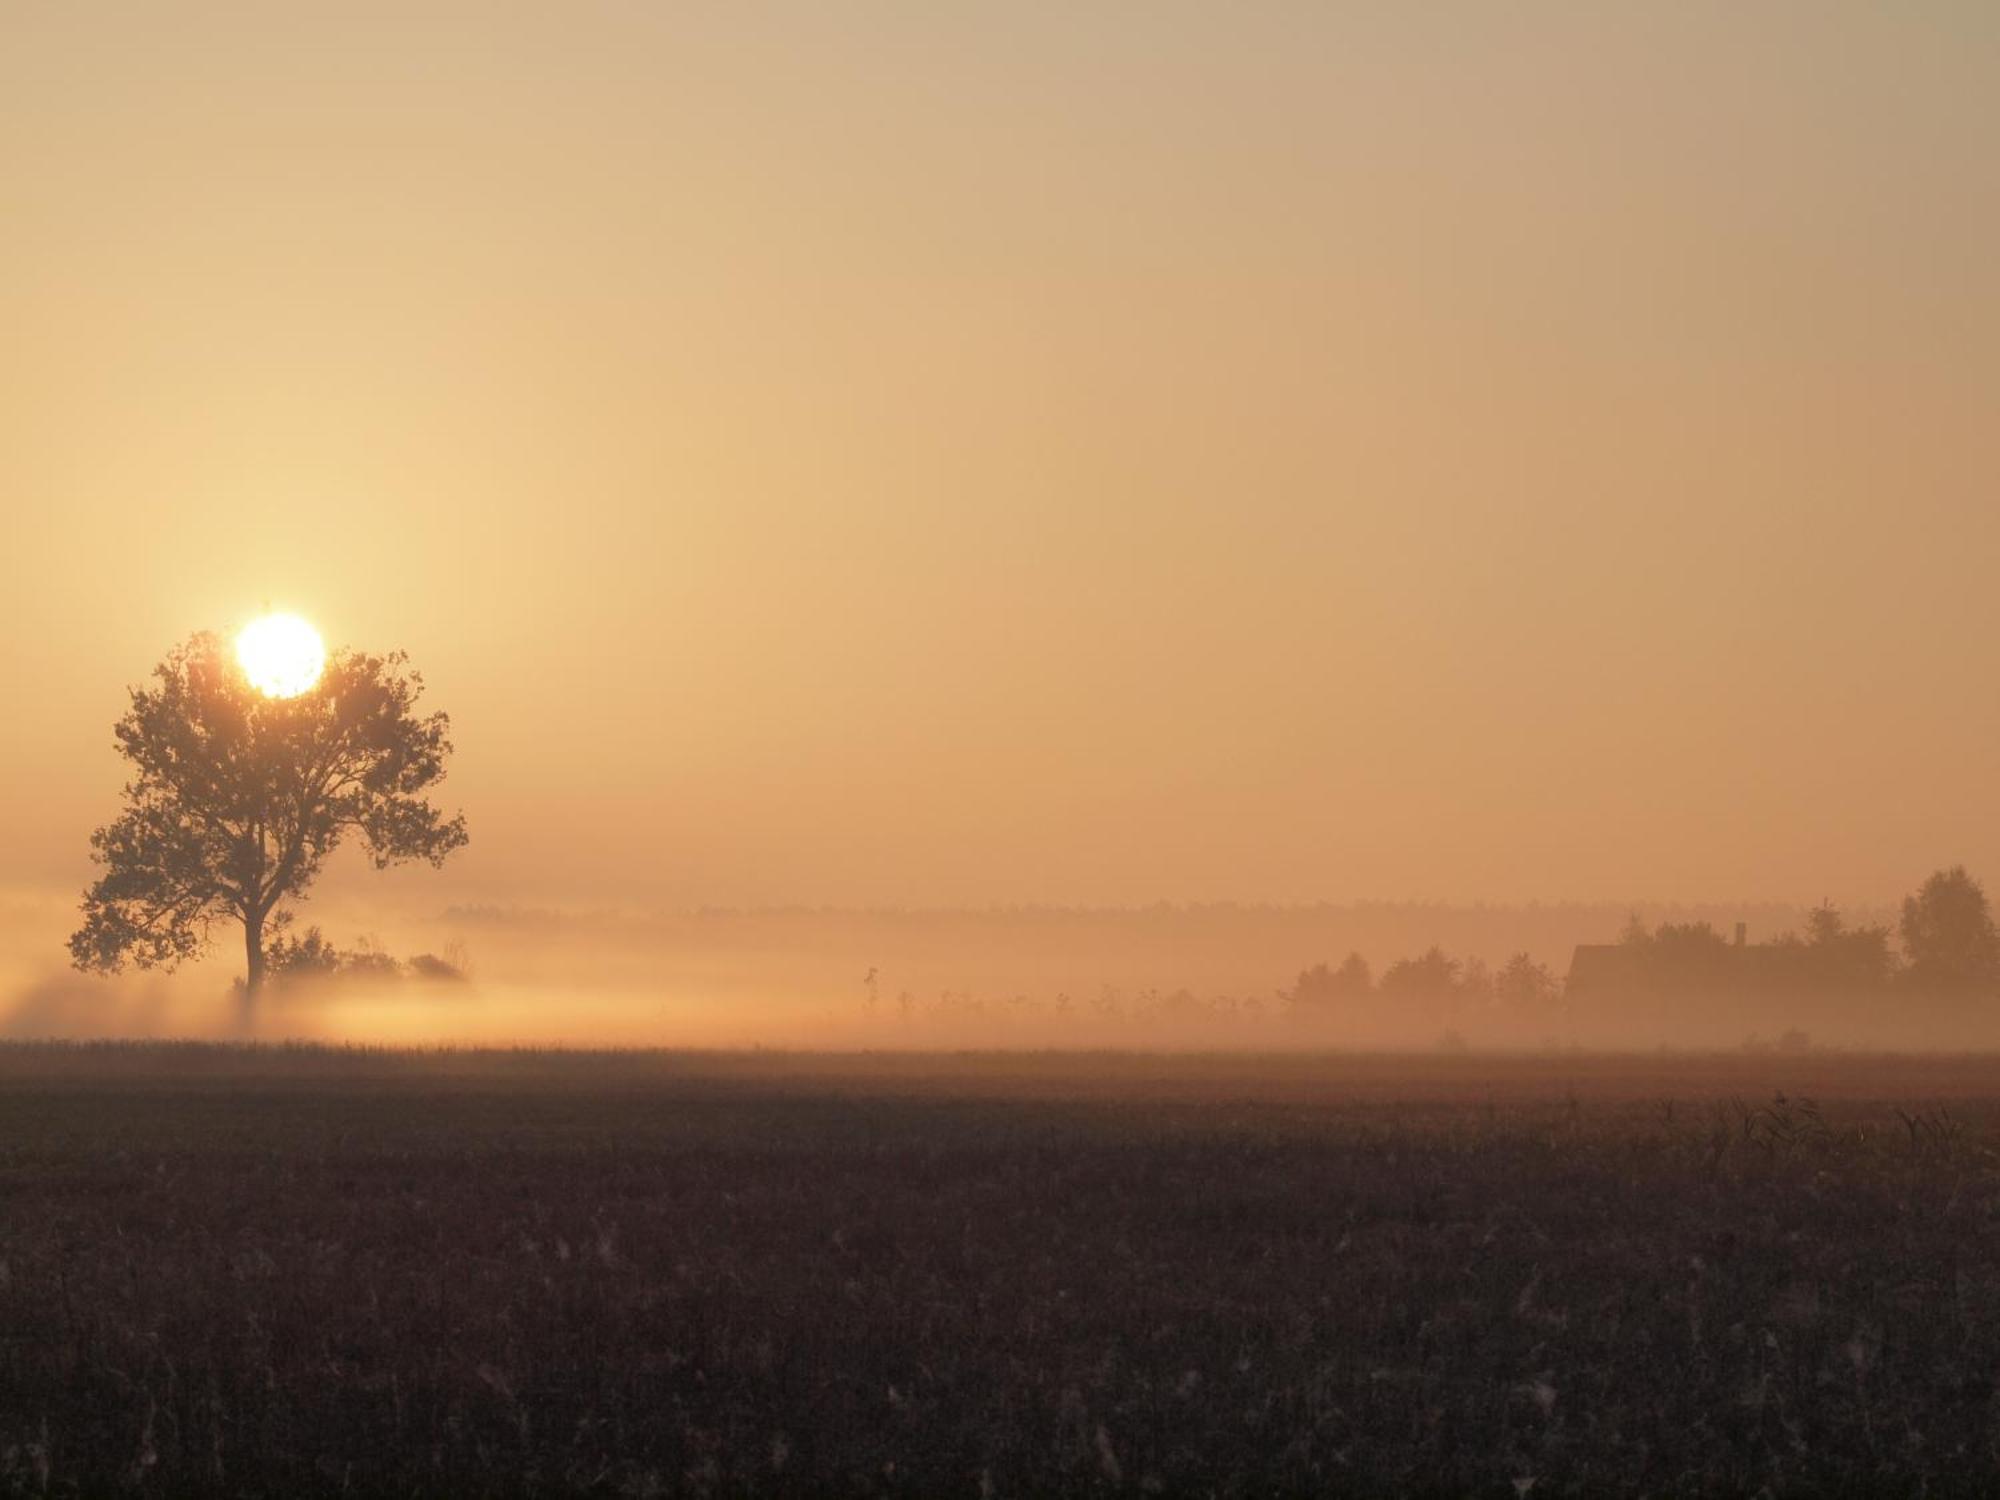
x: 236, y: 800
x: 1526, y: 987
x: 1425, y: 986
x: 1837, y: 957
x: 1949, y: 935
x: 307, y: 955
x: 1322, y: 992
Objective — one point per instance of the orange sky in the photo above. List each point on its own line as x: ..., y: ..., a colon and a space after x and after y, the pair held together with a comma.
x: 916, y: 454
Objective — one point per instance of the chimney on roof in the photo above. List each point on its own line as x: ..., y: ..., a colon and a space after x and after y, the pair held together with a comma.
x: 1742, y: 931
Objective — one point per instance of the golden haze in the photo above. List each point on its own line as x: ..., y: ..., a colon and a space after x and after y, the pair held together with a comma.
x: 933, y: 457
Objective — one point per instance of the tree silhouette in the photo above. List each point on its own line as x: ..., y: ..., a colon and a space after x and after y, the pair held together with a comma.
x: 1839, y: 958
x: 1948, y: 934
x: 1320, y: 993
x: 237, y: 799
x: 1525, y: 987
x: 1426, y: 985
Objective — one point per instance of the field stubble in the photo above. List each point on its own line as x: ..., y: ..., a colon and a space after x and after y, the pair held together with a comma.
x: 295, y: 1272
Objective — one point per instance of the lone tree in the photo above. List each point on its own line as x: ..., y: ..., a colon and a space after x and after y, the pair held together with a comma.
x: 1949, y: 934
x: 237, y: 798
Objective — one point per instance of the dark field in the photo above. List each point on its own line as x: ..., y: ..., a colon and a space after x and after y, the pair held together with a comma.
x: 294, y: 1272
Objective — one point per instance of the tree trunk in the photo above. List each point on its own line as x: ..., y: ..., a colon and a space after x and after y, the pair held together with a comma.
x: 253, y: 953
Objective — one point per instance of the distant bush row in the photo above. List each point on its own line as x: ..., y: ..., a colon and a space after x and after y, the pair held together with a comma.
x: 309, y: 958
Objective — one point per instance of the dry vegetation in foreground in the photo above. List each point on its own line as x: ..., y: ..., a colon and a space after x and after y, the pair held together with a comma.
x: 298, y: 1272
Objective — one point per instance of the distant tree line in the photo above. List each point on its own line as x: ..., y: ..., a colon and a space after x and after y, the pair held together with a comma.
x: 1109, y: 1006
x: 1683, y: 980
x: 1945, y: 946
x: 1432, y: 988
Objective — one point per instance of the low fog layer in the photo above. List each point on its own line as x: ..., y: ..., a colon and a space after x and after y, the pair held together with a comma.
x: 1161, y: 977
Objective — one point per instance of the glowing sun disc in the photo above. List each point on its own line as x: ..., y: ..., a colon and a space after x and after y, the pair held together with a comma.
x: 281, y: 655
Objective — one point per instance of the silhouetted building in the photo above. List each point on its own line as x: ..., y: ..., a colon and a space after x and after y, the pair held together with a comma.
x: 1691, y: 973
x: 1603, y: 970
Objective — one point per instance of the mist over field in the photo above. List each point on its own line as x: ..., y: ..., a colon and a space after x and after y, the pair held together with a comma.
x: 1176, y: 977
x: 1010, y: 466
x: 986, y: 750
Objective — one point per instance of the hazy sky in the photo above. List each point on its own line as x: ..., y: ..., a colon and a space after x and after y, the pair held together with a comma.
x: 933, y: 454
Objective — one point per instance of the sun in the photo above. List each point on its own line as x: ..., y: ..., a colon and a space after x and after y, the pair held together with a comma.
x: 281, y: 655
